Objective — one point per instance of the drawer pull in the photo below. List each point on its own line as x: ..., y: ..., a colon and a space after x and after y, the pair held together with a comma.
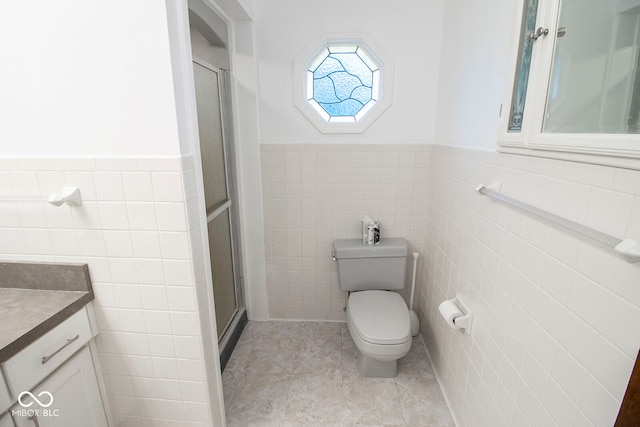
x: 45, y: 359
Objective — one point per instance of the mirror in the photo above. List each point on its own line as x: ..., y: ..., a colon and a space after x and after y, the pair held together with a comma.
x: 594, y: 86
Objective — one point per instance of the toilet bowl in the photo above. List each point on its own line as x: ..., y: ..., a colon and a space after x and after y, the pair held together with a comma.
x: 377, y: 318
x: 379, y: 325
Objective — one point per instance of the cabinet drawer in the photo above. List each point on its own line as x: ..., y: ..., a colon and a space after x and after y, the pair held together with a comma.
x: 5, y: 399
x: 43, y: 356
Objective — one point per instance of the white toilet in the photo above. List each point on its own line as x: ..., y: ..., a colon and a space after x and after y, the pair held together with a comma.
x: 378, y: 319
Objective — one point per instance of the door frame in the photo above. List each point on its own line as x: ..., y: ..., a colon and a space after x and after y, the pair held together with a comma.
x: 180, y: 54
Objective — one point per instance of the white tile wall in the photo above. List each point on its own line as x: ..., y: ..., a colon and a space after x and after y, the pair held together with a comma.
x: 555, y: 333
x: 551, y: 345
x: 132, y: 231
x: 316, y: 193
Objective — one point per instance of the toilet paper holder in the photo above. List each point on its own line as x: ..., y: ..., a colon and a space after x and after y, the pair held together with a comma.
x: 464, y: 322
x: 457, y: 314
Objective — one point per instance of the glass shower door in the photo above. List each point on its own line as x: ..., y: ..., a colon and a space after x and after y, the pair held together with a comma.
x: 217, y: 194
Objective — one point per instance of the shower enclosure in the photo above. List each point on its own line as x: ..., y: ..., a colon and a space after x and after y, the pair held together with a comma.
x: 216, y: 152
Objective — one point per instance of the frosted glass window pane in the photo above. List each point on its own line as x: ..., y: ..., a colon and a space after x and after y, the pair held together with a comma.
x: 324, y: 90
x: 362, y: 94
x: 224, y: 291
x: 319, y: 109
x: 375, y: 94
x: 345, y: 79
x: 342, y: 119
x: 367, y: 60
x: 347, y: 107
x: 211, y: 142
x: 364, y: 110
x: 328, y: 66
x: 355, y: 66
x: 524, y: 65
x: 345, y: 84
x: 309, y: 86
x: 342, y: 49
x: 316, y: 63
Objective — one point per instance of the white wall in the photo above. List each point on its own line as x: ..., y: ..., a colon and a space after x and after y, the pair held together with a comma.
x: 477, y: 40
x: 409, y: 35
x: 247, y: 136
x: 82, y: 78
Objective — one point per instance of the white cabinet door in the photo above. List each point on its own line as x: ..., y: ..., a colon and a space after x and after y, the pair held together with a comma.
x: 5, y: 399
x: 5, y: 421
x: 68, y: 398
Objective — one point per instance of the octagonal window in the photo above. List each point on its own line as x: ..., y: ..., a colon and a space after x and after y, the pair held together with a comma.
x: 343, y: 83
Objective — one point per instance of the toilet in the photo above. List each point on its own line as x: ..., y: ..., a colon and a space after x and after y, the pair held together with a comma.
x: 377, y: 318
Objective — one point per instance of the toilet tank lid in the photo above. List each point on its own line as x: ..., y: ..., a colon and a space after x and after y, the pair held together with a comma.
x: 353, y: 248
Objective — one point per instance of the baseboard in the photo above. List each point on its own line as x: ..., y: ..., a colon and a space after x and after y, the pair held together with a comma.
x: 435, y: 373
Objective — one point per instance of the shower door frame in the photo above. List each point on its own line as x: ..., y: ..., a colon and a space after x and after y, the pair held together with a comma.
x: 238, y: 318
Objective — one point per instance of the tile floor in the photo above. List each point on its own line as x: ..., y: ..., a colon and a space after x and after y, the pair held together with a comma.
x: 304, y: 374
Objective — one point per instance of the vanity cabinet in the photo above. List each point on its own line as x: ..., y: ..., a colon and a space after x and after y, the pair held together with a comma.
x: 43, y: 356
x: 5, y: 398
x: 75, y: 395
x: 5, y: 421
x: 53, y: 381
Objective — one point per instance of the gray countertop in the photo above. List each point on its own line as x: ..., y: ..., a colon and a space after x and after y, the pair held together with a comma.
x: 27, y: 313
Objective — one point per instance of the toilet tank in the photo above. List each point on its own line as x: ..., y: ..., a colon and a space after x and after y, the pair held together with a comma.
x: 363, y: 267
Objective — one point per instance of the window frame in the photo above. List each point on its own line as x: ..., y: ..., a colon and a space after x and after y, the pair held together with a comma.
x: 367, y: 59
x: 300, y: 80
x: 620, y: 150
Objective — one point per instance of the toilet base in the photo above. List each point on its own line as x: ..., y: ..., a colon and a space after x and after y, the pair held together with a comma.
x: 371, y: 368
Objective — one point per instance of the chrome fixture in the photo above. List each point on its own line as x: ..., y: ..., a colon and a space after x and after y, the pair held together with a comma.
x: 538, y: 33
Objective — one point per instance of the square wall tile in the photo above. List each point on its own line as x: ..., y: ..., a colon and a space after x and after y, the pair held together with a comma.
x: 555, y: 311
x: 132, y: 231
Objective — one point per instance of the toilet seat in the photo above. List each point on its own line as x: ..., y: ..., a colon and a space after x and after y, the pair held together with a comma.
x: 379, y: 324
